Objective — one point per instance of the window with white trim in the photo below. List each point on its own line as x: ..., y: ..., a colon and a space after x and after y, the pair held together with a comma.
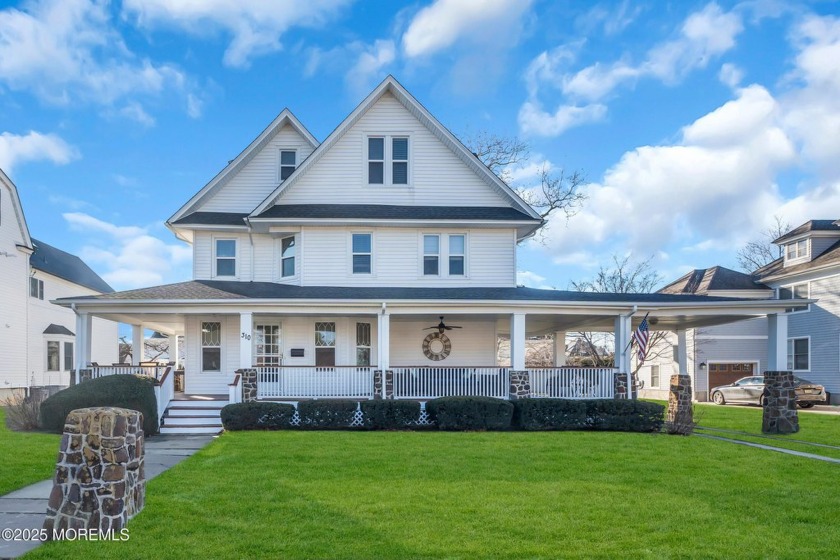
x: 288, y: 162
x: 53, y: 355
x: 795, y: 291
x: 797, y: 249
x: 211, y: 346
x: 68, y: 356
x: 325, y: 344
x: 226, y: 257
x: 457, y: 254
x: 36, y: 288
x: 799, y: 354
x: 431, y: 255
x: 363, y: 344
x: 287, y: 256
x: 376, y: 160
x: 388, y: 160
x: 654, y: 376
x: 399, y: 161
x: 362, y: 251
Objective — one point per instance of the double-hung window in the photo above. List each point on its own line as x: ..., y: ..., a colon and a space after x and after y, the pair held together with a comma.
x: 325, y: 344
x: 654, y: 376
x: 225, y: 257
x: 362, y: 250
x: 456, y: 255
x: 796, y: 291
x: 363, y: 344
x: 797, y: 249
x: 53, y: 357
x: 288, y: 161
x: 799, y: 354
x: 68, y: 356
x: 387, y: 160
x: 287, y: 256
x: 211, y: 346
x: 376, y: 160
x: 431, y: 255
x: 399, y: 161
x: 36, y: 288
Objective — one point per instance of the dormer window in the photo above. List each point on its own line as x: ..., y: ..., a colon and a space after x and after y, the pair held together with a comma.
x: 288, y: 162
x: 797, y: 249
x: 388, y: 160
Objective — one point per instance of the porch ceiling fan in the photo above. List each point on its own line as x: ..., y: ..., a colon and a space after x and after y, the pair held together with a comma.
x: 441, y: 327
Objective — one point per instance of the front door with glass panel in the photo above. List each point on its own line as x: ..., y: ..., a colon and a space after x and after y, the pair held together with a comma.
x: 267, y: 348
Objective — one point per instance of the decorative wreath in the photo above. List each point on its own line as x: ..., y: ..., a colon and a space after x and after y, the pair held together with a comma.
x: 437, y: 347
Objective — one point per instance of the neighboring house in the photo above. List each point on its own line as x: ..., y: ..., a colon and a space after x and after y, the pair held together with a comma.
x: 318, y: 263
x: 37, y: 338
x: 809, y: 268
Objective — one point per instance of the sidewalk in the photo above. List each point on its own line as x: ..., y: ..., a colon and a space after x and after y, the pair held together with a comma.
x: 26, y: 508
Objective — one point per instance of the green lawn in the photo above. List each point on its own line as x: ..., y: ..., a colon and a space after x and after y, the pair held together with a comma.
x: 25, y: 457
x: 463, y: 495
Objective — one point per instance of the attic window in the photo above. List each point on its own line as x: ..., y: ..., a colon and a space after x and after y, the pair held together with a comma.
x: 797, y: 249
x: 288, y: 161
x: 387, y: 160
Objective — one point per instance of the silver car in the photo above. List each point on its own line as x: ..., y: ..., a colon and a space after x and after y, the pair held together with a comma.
x: 750, y: 390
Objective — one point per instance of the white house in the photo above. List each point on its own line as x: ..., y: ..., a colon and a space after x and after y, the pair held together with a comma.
x: 37, y: 338
x: 389, y: 246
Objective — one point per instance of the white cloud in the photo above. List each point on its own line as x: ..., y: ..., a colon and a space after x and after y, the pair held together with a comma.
x: 445, y: 22
x: 531, y: 280
x: 34, y: 146
x: 730, y: 75
x: 369, y: 65
x: 135, y: 112
x: 130, y: 255
x: 614, y: 19
x: 534, y: 120
x: 65, y: 51
x: 255, y: 26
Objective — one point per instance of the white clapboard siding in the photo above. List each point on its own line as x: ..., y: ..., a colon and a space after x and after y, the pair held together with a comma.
x: 261, y: 175
x: 437, y: 176
x: 473, y: 345
x: 14, y: 287
x: 203, y: 255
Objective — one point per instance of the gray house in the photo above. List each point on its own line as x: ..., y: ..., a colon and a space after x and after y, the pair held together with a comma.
x: 809, y: 268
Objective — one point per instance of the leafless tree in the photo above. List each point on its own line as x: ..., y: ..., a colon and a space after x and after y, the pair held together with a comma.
x: 556, y: 190
x: 153, y: 349
x: 760, y: 252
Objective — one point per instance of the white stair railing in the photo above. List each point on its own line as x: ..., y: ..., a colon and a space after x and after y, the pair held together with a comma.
x: 164, y: 392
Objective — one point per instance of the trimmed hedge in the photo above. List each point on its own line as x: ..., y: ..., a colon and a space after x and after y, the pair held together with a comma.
x: 470, y: 413
x: 257, y: 416
x: 550, y: 414
x: 626, y: 415
x: 390, y: 414
x: 327, y: 414
x: 136, y: 392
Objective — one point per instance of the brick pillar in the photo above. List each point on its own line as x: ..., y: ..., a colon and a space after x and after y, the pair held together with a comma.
x: 249, y: 384
x: 520, y: 385
x: 389, y: 384
x: 377, y: 384
x: 680, y: 416
x: 780, y: 416
x: 99, y: 481
x: 620, y: 386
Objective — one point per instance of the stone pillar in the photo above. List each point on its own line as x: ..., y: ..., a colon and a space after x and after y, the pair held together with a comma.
x: 680, y: 416
x: 99, y: 480
x: 249, y: 384
x: 520, y: 385
x: 780, y: 416
x: 377, y: 384
x: 620, y: 386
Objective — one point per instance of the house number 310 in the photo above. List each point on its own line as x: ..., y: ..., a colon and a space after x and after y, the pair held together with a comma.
x: 246, y: 336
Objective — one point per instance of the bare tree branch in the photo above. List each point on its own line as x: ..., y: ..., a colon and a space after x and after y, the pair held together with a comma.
x: 498, y: 153
x: 761, y: 252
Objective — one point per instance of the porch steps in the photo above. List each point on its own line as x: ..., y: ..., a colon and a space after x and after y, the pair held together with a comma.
x: 193, y: 417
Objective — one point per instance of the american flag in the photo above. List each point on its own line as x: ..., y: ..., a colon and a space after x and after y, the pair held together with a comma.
x: 641, y: 337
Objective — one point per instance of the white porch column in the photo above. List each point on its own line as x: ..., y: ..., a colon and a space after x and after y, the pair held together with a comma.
x: 246, y: 333
x: 517, y: 341
x: 559, y: 348
x: 682, y: 352
x: 136, y: 344
x: 172, y: 340
x: 177, y: 352
x: 383, y: 337
x: 84, y: 324
x: 777, y: 333
x: 622, y: 350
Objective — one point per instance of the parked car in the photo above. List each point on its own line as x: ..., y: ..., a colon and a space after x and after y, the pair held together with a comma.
x: 750, y: 390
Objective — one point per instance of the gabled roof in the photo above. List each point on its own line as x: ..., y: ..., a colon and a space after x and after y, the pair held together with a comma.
x: 284, y: 118
x: 21, y: 219
x: 392, y: 86
x: 58, y: 329
x: 47, y: 258
x: 809, y: 226
x: 388, y: 212
x: 776, y: 269
x: 717, y: 278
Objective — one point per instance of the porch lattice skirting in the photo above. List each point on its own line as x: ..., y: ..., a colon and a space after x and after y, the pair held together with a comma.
x: 780, y: 416
x: 680, y: 417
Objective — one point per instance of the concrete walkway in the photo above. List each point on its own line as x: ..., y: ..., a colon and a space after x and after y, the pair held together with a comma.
x: 26, y: 508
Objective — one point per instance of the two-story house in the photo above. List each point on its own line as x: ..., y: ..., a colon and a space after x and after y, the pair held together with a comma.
x: 37, y: 339
x: 809, y: 268
x: 387, y: 247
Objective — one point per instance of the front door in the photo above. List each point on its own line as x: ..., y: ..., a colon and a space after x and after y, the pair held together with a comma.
x: 267, y: 345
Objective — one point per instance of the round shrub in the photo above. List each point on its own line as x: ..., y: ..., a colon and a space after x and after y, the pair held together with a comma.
x: 549, y: 414
x: 135, y: 392
x: 470, y: 413
x: 390, y: 414
x: 327, y: 414
x: 257, y: 416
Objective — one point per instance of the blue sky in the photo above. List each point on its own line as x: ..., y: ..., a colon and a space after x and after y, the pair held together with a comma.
x: 694, y: 122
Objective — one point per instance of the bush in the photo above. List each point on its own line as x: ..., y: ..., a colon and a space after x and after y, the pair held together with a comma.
x: 22, y: 412
x: 625, y: 415
x: 327, y: 413
x: 390, y: 414
x: 135, y: 392
x: 550, y: 414
x: 470, y: 413
x: 257, y: 416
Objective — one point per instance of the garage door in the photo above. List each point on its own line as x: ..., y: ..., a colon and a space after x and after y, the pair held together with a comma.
x: 726, y: 373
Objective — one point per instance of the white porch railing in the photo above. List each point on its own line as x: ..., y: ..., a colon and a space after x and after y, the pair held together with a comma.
x: 164, y: 392
x: 573, y: 383
x: 151, y: 371
x: 235, y: 390
x: 432, y: 382
x: 293, y: 382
